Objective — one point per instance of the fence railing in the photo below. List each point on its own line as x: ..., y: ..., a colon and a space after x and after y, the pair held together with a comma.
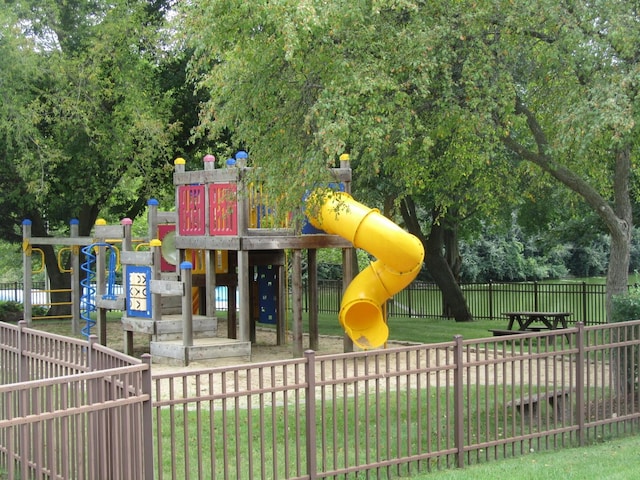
x: 485, y: 300
x: 72, y: 409
x: 13, y: 292
x: 382, y: 413
x: 390, y: 413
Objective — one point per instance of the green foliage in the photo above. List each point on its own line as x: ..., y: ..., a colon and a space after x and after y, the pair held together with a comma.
x: 496, y: 256
x: 462, y: 105
x: 330, y: 263
x: 84, y: 118
x: 12, y: 311
x: 9, y: 307
x: 626, y: 307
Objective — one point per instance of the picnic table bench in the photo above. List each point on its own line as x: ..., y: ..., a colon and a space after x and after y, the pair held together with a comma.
x: 520, y: 322
x: 527, y: 406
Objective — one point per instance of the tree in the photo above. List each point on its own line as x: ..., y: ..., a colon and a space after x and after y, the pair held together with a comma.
x: 554, y: 83
x: 84, y: 120
x: 573, y: 106
x: 300, y: 83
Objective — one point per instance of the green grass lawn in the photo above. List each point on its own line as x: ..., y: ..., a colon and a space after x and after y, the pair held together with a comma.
x: 615, y: 459
x: 420, y: 330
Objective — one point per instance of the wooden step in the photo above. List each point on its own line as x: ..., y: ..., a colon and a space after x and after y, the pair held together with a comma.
x: 203, y: 349
x: 170, y: 326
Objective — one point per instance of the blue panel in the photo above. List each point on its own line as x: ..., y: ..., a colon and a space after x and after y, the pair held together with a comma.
x: 138, y: 291
x: 267, y: 293
x: 307, y: 228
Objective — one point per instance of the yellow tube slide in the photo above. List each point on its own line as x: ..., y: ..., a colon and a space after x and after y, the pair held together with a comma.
x: 399, y: 257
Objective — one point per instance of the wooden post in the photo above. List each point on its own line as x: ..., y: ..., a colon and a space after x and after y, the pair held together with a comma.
x: 312, y: 266
x: 347, y: 277
x: 101, y: 313
x: 296, y: 286
x: 76, y: 292
x: 27, y: 280
x: 243, y: 287
x: 187, y: 316
x: 156, y: 298
x: 348, y: 256
x: 242, y: 210
x: 127, y: 246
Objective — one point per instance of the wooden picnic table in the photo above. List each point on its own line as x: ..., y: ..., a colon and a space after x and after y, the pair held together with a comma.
x: 533, y: 322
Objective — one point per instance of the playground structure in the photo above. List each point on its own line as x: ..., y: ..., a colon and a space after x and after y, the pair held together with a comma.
x: 222, y: 234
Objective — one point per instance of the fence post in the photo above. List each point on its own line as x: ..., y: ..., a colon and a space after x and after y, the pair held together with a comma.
x: 310, y: 413
x: 458, y: 398
x: 92, y: 359
x: 535, y: 296
x: 147, y: 420
x: 23, y: 364
x: 580, y: 367
x: 490, y: 299
x: 584, y: 302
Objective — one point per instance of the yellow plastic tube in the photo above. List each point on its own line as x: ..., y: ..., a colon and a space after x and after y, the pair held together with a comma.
x: 399, y: 257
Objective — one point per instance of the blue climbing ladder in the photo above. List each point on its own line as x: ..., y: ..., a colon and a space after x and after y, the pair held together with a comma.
x: 88, y: 297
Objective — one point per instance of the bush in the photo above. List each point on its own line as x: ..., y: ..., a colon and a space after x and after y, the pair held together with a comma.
x: 10, y: 311
x: 626, y: 307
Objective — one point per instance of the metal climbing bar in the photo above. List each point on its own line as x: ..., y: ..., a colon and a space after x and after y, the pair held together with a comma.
x: 88, y: 298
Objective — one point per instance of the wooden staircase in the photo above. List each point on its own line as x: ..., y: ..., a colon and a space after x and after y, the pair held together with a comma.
x: 167, y: 343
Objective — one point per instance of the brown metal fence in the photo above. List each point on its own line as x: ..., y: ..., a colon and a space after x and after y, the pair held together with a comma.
x: 377, y: 414
x: 396, y: 412
x: 72, y: 409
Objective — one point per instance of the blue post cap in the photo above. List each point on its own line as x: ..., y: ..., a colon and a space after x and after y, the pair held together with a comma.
x: 231, y: 162
x: 26, y: 221
x: 241, y: 155
x: 186, y: 266
x: 74, y: 221
x: 153, y: 202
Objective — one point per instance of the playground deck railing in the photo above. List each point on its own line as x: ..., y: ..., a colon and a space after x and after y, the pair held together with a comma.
x: 72, y: 408
x: 83, y: 411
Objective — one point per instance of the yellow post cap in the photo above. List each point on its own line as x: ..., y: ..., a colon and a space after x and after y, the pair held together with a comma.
x: 155, y: 243
x: 344, y: 157
x: 179, y: 161
x: 101, y: 221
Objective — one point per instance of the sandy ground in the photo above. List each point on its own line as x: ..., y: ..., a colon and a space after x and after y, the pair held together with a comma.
x: 489, y: 369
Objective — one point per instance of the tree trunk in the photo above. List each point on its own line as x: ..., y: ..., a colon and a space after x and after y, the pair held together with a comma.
x: 436, y: 263
x: 452, y: 250
x: 617, y: 217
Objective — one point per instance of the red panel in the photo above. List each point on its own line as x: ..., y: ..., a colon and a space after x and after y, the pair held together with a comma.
x: 223, y: 209
x: 191, y: 209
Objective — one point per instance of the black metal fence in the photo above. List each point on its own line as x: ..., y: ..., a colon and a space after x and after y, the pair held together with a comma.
x: 13, y: 291
x: 585, y: 301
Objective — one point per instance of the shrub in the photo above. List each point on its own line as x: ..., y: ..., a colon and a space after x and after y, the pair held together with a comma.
x: 10, y: 311
x: 624, y: 308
